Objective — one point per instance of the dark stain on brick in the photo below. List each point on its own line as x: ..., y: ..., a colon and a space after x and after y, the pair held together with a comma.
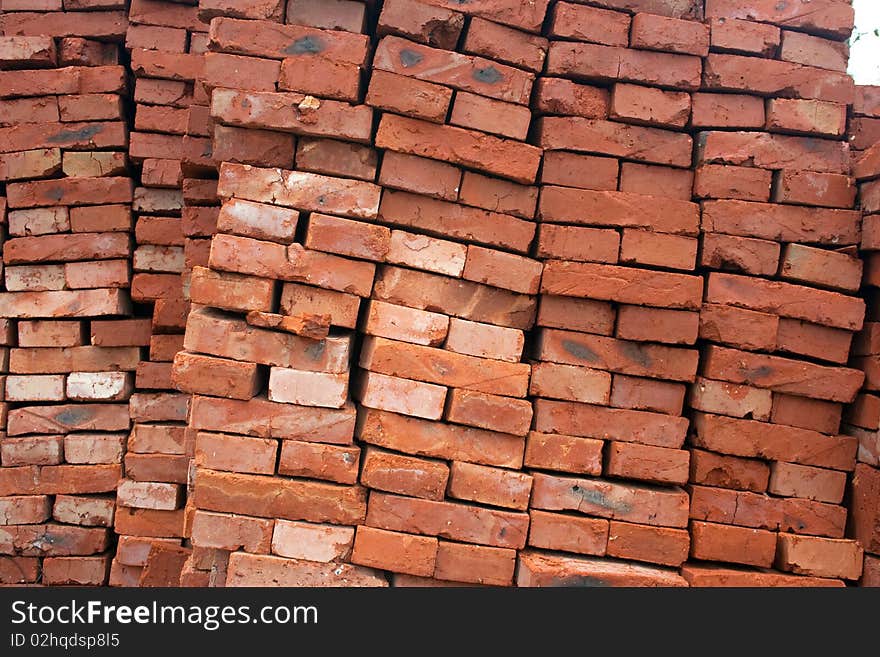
x: 580, y: 351
x: 73, y: 416
x: 55, y: 193
x: 410, y: 58
x: 75, y: 135
x: 636, y: 353
x: 316, y: 349
x: 307, y: 45
x: 597, y: 498
x: 488, y: 74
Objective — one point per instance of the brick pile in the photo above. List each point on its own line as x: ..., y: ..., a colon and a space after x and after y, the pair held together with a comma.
x: 68, y: 367
x: 494, y: 292
x: 165, y: 42
x: 778, y: 240
x: 619, y: 298
x: 862, y: 419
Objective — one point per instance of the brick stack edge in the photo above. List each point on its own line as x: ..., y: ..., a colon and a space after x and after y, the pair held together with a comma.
x: 431, y: 292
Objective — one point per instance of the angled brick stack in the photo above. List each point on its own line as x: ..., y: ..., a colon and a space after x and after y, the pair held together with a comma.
x: 863, y: 417
x: 619, y: 299
x: 437, y: 292
x: 165, y: 41
x: 779, y: 236
x: 442, y: 384
x: 71, y: 354
x: 269, y: 344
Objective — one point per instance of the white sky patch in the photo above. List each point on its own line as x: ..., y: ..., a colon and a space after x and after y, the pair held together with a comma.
x: 864, y: 62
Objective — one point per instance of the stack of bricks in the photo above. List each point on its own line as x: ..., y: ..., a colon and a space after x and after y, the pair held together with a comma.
x: 443, y: 382
x: 620, y: 301
x: 493, y: 292
x: 269, y: 342
x: 71, y: 355
x: 779, y: 242
x: 165, y: 41
x: 862, y: 419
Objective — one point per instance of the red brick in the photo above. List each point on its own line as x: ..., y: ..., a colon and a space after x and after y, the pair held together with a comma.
x: 537, y: 569
x: 744, y: 37
x: 421, y: 22
x: 570, y: 383
x: 716, y: 576
x: 439, y: 440
x: 261, y: 570
x: 149, y: 495
x: 148, y: 522
x: 583, y: 171
x: 732, y: 182
x: 713, y: 469
x: 458, y: 221
x: 660, y: 545
x: 406, y: 475
x: 459, y: 522
x: 555, y: 531
x: 491, y: 116
x: 614, y: 63
x: 444, y: 368
x: 249, y: 455
x: 509, y: 12
x: 770, y: 151
x: 647, y: 463
x: 69, y: 191
x: 795, y: 377
x: 459, y: 146
x: 617, y: 209
x: 347, y: 237
x: 225, y: 532
x: 729, y: 399
x: 304, y: 300
x: 787, y: 300
x: 807, y: 117
x: 290, y: 499
x: 617, y: 501
x: 415, y: 555
x: 819, y: 557
x: 649, y: 106
x: 564, y: 453
x: 505, y: 44
x: 569, y: 21
x: 462, y: 72
x: 475, y: 564
x: 653, y: 32
x: 271, y: 111
x: 600, y: 137
x: 313, y: 542
x: 396, y: 395
x: 408, y: 96
x: 420, y: 176
x: 217, y: 335
x: 737, y: 73
x: 316, y: 461
x: 827, y: 17
x: 25, y: 509
x: 54, y: 540
x: 647, y: 394
x: 791, y: 480
x: 808, y: 339
x: 659, y: 250
x: 753, y: 547
x: 336, y: 158
x: 821, y: 267
x: 259, y: 417
x: 561, y: 96
x: 62, y: 419
x: 621, y: 356
x: 726, y: 111
x: 810, y: 188
x: 232, y: 291
x: 492, y: 486
x: 249, y: 146
x: 737, y: 327
x: 578, y: 243
x: 773, y: 442
x: 654, y: 180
